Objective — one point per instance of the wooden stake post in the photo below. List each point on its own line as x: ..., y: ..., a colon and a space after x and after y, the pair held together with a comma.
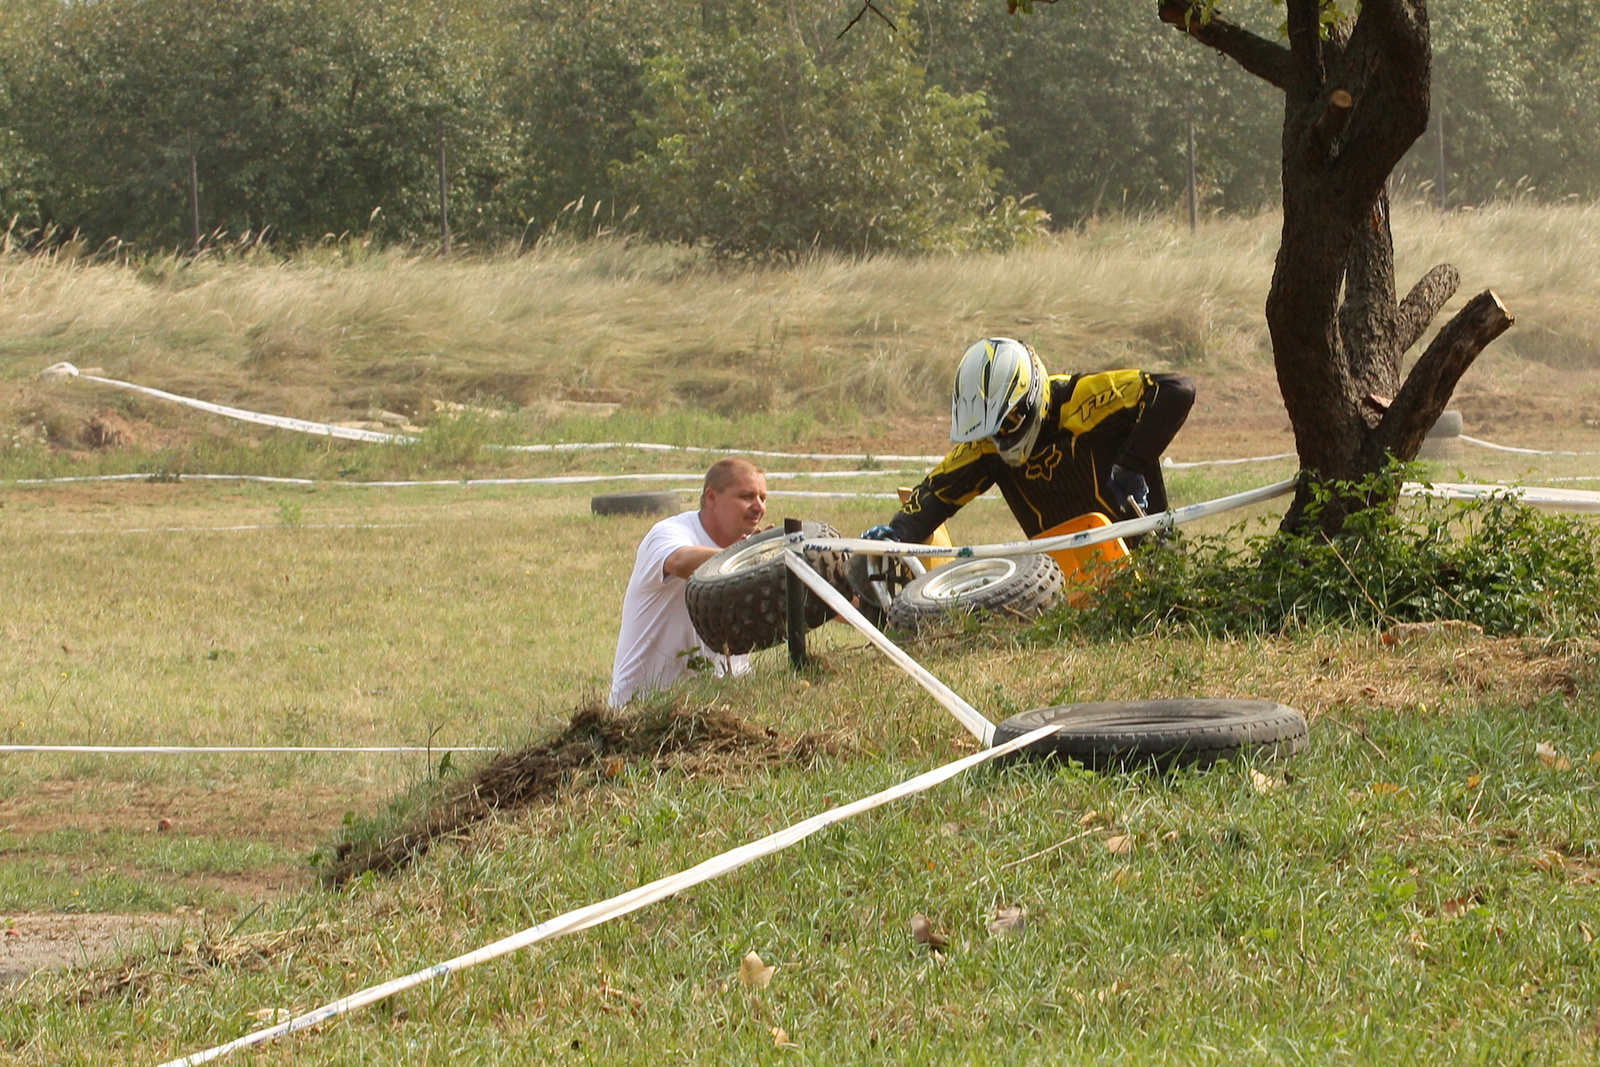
x: 795, y: 594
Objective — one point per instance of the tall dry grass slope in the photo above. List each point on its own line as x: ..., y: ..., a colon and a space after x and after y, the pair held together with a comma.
x: 826, y: 346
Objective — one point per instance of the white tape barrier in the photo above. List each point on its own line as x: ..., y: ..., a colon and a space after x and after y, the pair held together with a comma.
x: 242, y: 526
x: 605, y: 910
x: 60, y: 371
x: 1169, y: 463
x: 696, y: 477
x: 1520, y: 451
x: 643, y: 446
x: 1128, y: 528
x: 65, y: 371
x: 1581, y: 500
x: 228, y: 750
x: 971, y: 718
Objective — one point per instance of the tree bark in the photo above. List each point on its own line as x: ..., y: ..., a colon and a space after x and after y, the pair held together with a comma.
x: 1356, y: 96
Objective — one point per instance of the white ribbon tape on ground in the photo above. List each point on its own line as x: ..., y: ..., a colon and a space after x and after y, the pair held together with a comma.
x: 1520, y: 451
x: 65, y: 371
x: 556, y: 479
x: 1171, y: 464
x: 970, y: 717
x: 60, y: 371
x: 228, y: 750
x: 617, y: 906
x: 642, y: 446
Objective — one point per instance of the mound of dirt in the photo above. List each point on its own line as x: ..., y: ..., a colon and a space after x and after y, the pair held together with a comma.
x: 595, y: 745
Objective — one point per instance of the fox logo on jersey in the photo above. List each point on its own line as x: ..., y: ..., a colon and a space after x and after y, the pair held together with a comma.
x: 1044, y: 464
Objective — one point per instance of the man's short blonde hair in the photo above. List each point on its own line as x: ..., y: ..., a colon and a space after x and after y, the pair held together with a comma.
x: 724, y: 472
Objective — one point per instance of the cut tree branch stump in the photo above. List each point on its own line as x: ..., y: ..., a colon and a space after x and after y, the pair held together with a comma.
x: 1329, y: 125
x: 1428, y: 387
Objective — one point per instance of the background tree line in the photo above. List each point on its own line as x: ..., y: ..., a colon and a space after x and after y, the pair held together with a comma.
x: 750, y: 125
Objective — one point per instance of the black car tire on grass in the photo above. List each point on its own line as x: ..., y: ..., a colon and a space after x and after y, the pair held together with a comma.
x: 738, y: 598
x: 1015, y: 586
x: 663, y: 502
x: 1164, y: 732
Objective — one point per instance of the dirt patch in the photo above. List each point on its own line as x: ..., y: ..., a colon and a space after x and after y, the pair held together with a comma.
x: 296, y: 818
x: 35, y: 943
x: 596, y: 745
x: 1424, y: 675
x: 178, y: 960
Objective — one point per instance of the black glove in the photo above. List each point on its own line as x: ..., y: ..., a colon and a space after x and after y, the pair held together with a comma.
x: 881, y: 532
x: 1124, y: 483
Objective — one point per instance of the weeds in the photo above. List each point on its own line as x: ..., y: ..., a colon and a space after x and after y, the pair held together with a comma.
x: 1496, y: 562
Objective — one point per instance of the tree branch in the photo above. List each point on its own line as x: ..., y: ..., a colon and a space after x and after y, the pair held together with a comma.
x: 1305, y: 42
x: 1429, y: 385
x: 1423, y: 303
x: 1266, y: 60
x: 868, y: 5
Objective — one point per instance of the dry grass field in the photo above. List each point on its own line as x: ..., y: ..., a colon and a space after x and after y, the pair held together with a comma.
x: 1417, y: 886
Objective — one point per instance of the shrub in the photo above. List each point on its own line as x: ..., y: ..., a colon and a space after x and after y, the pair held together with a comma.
x: 1495, y: 562
x: 759, y: 148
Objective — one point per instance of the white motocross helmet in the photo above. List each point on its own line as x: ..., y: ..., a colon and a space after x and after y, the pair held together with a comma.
x: 999, y: 393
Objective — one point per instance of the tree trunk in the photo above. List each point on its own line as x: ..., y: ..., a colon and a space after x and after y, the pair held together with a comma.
x: 1355, y: 99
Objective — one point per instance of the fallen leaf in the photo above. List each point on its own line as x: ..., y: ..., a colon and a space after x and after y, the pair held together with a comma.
x: 1550, y: 861
x: 1264, y: 783
x: 272, y: 1016
x: 615, y: 767
x: 1090, y: 817
x: 1455, y: 907
x: 780, y: 1037
x: 608, y: 990
x: 1588, y: 934
x: 1594, y: 758
x: 755, y: 974
x: 1385, y: 788
x: 164, y: 825
x: 1551, y: 758
x: 1011, y: 919
x: 1474, y: 781
x: 1369, y: 690
x: 923, y: 933
x: 1119, y: 844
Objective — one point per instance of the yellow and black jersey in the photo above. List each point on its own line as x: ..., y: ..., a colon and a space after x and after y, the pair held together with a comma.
x: 1092, y: 421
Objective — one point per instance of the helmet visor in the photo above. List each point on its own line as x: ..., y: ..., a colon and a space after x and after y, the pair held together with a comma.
x: 1014, y: 427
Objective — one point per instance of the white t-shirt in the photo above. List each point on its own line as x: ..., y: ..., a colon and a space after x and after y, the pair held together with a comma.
x: 656, y: 632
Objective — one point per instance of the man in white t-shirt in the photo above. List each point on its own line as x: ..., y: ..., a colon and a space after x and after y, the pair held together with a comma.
x: 657, y: 639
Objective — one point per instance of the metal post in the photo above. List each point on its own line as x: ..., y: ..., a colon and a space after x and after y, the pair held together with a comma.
x: 1439, y: 144
x: 795, y: 593
x: 444, y: 197
x: 194, y: 201
x: 1194, y: 207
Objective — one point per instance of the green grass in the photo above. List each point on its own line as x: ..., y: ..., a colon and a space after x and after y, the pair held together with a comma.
x: 1423, y: 892
x: 1420, y: 886
x: 1412, y: 890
